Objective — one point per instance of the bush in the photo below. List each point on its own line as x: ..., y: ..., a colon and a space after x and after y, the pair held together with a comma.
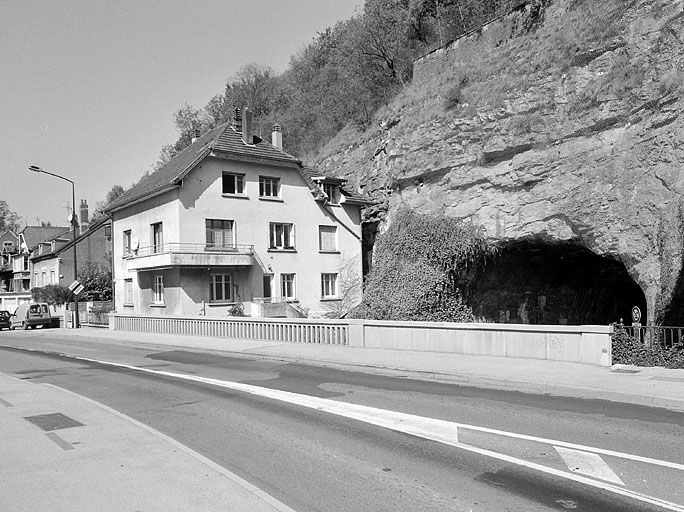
x: 418, y: 264
x: 454, y: 96
x: 53, y: 294
x: 629, y: 350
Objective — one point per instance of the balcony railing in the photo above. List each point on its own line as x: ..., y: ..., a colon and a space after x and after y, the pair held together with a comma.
x: 183, y: 248
x: 177, y: 254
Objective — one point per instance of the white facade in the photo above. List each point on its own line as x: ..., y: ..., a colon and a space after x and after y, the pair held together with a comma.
x: 237, y: 232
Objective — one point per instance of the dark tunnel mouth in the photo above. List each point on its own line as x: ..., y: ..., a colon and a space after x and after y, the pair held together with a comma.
x: 553, y: 284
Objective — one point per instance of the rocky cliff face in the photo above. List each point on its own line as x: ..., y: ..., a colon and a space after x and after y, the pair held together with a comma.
x: 516, y: 131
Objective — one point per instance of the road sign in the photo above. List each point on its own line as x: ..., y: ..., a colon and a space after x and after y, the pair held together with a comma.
x: 636, y: 314
x: 76, y: 287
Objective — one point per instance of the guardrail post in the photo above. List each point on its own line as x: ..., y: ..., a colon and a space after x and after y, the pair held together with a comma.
x: 357, y: 332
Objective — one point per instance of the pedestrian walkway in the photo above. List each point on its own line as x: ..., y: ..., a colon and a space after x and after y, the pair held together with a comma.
x: 62, y: 452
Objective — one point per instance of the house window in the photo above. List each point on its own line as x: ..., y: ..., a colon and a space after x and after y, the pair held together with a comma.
x: 233, y: 183
x: 53, y: 277
x: 127, y: 242
x: 128, y: 291
x: 157, y: 237
x: 287, y: 286
x: 44, y: 276
x: 281, y: 236
x: 25, y: 263
x: 219, y: 233
x: 327, y: 238
x: 268, y: 187
x: 157, y: 289
x: 329, y: 286
x: 221, y: 287
x: 333, y: 193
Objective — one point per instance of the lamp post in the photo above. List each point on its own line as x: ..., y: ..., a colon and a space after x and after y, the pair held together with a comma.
x: 74, y: 227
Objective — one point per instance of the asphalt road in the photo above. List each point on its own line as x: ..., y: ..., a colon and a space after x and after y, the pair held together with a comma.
x: 315, y: 460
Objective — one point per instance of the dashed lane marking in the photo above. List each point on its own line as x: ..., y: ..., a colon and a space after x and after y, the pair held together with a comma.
x: 589, y: 464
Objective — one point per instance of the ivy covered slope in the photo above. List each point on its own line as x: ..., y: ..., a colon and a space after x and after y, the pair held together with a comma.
x: 419, y: 262
x: 559, y: 122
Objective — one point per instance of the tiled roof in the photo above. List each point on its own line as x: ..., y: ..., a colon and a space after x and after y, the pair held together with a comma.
x: 33, y: 235
x: 68, y: 240
x: 223, y: 139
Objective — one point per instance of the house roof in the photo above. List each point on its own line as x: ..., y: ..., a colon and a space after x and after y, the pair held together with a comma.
x: 92, y: 228
x: 33, y: 235
x: 223, y: 139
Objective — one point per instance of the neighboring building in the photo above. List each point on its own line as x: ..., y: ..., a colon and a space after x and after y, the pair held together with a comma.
x: 52, y: 261
x: 16, y: 269
x: 9, y: 246
x: 233, y: 219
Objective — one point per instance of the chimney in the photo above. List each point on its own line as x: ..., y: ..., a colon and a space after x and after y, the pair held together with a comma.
x: 247, y: 126
x: 237, y: 120
x: 277, y: 137
x: 84, y: 215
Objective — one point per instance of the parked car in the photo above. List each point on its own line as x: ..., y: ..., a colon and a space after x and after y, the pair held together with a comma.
x: 4, y: 319
x: 32, y: 315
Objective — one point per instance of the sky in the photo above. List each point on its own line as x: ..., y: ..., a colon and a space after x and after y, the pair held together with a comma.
x: 88, y: 88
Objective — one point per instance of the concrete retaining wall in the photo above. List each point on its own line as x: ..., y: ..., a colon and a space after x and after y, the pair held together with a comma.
x: 588, y: 344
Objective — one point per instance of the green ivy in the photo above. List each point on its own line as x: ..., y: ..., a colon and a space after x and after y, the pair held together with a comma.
x: 628, y: 350
x: 418, y: 263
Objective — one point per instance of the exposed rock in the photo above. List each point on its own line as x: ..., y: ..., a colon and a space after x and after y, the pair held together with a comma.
x: 577, y: 153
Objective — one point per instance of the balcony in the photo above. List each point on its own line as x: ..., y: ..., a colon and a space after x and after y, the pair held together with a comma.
x: 190, y: 255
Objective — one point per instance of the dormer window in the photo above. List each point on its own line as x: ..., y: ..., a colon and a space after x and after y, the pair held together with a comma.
x: 333, y: 193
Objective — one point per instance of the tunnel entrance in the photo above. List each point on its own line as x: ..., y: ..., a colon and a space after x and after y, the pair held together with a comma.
x: 555, y: 284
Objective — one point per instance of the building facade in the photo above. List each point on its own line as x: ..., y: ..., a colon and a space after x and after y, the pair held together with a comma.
x: 235, y: 225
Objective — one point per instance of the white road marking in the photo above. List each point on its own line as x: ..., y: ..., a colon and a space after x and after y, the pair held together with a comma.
x: 437, y: 430
x: 589, y: 464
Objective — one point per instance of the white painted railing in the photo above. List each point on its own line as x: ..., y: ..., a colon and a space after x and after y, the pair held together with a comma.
x: 327, y: 332
x: 587, y: 344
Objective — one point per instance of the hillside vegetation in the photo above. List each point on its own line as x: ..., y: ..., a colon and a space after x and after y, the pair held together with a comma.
x: 342, y: 77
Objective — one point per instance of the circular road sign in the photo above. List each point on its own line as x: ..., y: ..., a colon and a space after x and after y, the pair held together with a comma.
x: 636, y: 314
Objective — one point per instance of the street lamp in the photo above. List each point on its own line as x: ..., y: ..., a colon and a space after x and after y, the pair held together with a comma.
x: 74, y: 226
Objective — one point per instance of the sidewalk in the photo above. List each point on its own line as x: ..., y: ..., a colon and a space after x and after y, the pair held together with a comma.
x: 62, y: 452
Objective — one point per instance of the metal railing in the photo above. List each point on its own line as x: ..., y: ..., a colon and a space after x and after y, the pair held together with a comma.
x: 186, y: 248
x: 657, y: 335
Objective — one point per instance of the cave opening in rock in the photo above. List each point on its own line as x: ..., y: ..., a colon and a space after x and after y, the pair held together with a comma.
x: 555, y: 284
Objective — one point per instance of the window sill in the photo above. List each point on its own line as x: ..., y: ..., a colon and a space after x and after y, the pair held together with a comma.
x: 330, y: 299
x: 329, y: 252
x: 275, y: 249
x: 271, y: 199
x: 129, y: 305
x: 221, y: 303
x: 235, y: 196
x: 156, y: 305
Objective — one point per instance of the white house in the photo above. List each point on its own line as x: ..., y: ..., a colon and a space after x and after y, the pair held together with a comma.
x: 233, y: 220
